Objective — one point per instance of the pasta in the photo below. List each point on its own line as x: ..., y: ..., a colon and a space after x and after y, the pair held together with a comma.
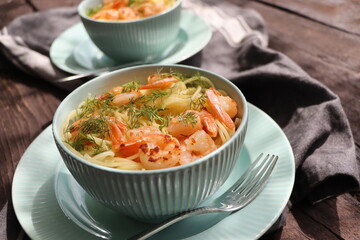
x: 119, y: 10
x: 170, y: 121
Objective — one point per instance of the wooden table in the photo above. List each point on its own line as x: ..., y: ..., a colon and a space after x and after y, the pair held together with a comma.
x: 323, y: 37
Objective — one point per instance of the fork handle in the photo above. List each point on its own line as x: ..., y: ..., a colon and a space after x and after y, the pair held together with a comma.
x: 83, y: 76
x: 98, y: 72
x: 157, y: 228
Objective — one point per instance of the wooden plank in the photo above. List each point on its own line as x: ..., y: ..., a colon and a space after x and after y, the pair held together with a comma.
x: 22, y: 123
x: 9, y: 10
x: 328, y: 214
x: 27, y: 106
x: 322, y: 52
x: 21, y: 117
x: 335, y: 218
x: 328, y: 44
x: 336, y: 13
x: 300, y: 226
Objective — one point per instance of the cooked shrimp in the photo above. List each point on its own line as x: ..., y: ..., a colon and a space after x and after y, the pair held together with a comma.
x: 196, y: 146
x: 142, y: 131
x: 208, y: 121
x: 216, y: 108
x: 117, y: 3
x: 155, y: 77
x: 116, y: 136
x: 132, y: 145
x: 229, y: 105
x: 151, y: 8
x: 125, y: 98
x: 116, y: 133
x: 162, y: 152
x: 127, y: 13
x: 191, y: 121
x: 160, y: 84
x: 180, y: 126
x: 156, y: 150
x: 75, y: 128
x: 114, y: 91
x: 107, y: 14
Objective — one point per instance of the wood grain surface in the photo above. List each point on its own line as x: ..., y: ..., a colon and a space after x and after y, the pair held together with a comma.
x: 323, y: 37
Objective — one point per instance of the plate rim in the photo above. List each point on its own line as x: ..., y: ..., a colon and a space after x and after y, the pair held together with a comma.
x: 29, y: 227
x: 58, y: 58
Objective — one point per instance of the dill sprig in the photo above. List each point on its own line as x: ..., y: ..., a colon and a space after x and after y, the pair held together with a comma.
x: 93, y: 105
x: 78, y: 143
x: 136, y: 112
x: 130, y: 86
x: 177, y: 75
x: 198, y: 103
x: 94, y: 125
x: 92, y: 11
x: 90, y: 106
x: 188, y: 118
x: 133, y: 115
x: 152, y: 97
x: 152, y: 113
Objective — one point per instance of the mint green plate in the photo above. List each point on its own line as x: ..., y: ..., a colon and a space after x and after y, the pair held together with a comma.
x: 40, y: 215
x: 74, y: 52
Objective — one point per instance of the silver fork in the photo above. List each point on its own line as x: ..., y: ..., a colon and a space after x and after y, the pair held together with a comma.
x: 237, y: 197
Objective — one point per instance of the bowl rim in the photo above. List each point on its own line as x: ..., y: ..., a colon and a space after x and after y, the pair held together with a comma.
x: 82, y: 14
x: 242, y: 127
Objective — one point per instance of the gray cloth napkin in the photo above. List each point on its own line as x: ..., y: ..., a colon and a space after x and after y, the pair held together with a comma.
x: 310, y: 114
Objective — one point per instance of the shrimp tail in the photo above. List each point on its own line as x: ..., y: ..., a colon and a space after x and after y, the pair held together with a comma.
x: 131, y: 147
x: 116, y: 133
x: 208, y: 121
x: 114, y: 91
x: 217, y: 110
x: 160, y: 84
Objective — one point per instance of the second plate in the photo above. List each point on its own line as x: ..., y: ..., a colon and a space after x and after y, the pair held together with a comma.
x: 74, y: 52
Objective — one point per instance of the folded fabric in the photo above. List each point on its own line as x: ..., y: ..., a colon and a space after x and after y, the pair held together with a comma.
x: 29, y: 50
x: 310, y: 114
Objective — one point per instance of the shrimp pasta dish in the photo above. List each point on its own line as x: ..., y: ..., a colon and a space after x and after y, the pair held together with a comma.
x: 170, y: 121
x: 120, y: 10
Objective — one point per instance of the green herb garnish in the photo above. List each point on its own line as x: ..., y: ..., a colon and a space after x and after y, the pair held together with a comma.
x: 188, y: 118
x: 153, y: 96
x: 198, y: 103
x: 130, y: 86
x: 96, y: 126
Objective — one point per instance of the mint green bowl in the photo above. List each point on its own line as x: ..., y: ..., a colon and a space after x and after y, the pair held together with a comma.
x: 152, y: 194
x: 127, y: 41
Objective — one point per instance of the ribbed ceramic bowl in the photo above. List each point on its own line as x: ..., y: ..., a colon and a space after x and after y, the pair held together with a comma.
x: 134, y: 40
x: 152, y: 194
